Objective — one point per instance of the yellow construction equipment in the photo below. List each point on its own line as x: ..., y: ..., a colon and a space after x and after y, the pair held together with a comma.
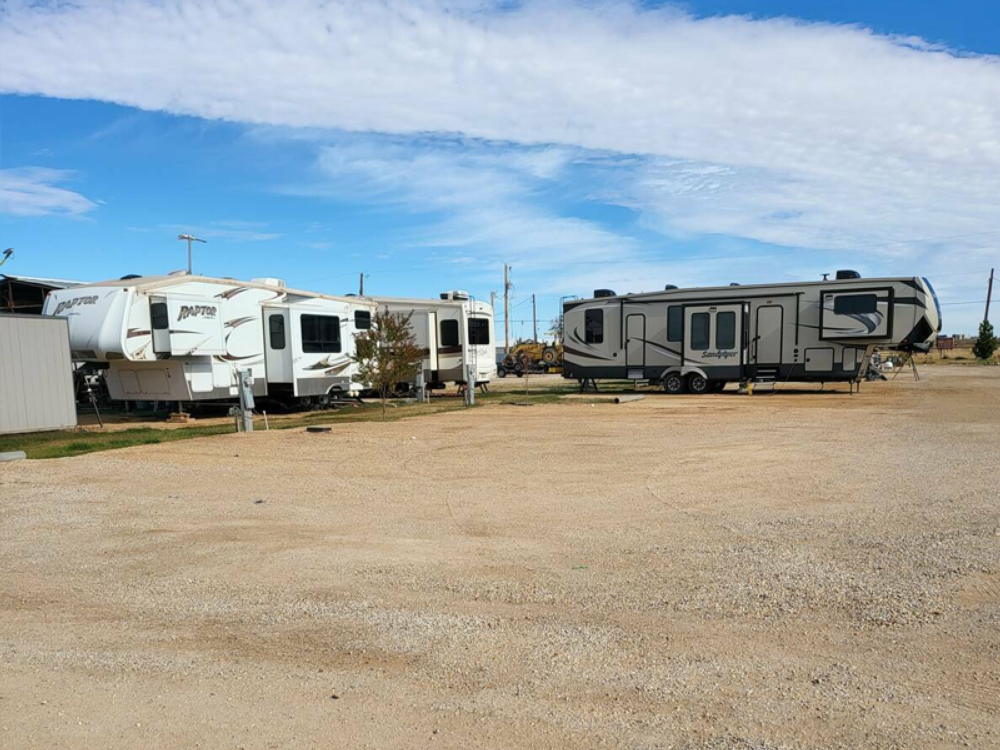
x: 531, y: 356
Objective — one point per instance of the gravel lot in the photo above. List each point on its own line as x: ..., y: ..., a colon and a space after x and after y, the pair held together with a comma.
x: 800, y: 570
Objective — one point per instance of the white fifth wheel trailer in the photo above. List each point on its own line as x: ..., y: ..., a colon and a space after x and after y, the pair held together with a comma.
x: 183, y: 338
x: 455, y: 331
x: 699, y: 339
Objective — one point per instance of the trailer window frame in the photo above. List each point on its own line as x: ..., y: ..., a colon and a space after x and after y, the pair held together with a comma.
x: 675, y: 323
x: 701, y: 339
x: 479, y: 334
x: 730, y: 317
x: 363, y: 320
x: 324, y: 338
x: 593, y: 326
x: 276, y: 333
x: 449, y: 332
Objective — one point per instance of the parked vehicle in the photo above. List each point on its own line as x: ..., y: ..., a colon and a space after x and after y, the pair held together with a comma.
x: 699, y: 339
x: 456, y: 332
x: 183, y: 338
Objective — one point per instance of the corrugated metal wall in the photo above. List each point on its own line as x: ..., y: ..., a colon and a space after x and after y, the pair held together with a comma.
x: 36, y: 375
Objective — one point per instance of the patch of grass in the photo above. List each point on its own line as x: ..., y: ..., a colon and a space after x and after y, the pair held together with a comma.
x: 78, y: 442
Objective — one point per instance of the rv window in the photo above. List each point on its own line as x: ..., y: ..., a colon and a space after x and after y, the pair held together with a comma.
x: 449, y: 333
x: 276, y: 327
x: 855, y: 304
x: 593, y: 327
x: 362, y: 320
x: 320, y: 333
x: 699, y: 331
x: 479, y: 332
x: 158, y: 316
x: 725, y: 330
x: 675, y: 323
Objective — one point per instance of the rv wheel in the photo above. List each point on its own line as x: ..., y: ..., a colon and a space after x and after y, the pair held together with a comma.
x: 697, y: 384
x: 674, y: 384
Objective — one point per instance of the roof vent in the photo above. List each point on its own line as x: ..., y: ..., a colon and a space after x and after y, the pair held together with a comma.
x: 847, y: 274
x: 455, y: 294
x: 604, y: 293
x: 269, y: 281
x: 734, y: 283
x: 179, y: 272
x: 668, y: 287
x: 128, y: 276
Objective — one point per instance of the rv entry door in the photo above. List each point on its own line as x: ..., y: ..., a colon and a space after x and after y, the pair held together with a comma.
x: 768, y: 334
x: 635, y: 342
x: 159, y: 323
x: 277, y: 345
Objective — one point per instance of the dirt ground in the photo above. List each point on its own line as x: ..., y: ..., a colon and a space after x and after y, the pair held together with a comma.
x: 800, y: 570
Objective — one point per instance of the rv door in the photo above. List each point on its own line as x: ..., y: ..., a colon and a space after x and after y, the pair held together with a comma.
x: 159, y: 323
x: 277, y: 345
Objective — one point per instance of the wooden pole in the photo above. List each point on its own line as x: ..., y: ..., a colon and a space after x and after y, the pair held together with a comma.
x: 989, y: 293
x: 506, y: 309
x: 361, y: 290
x: 534, y: 317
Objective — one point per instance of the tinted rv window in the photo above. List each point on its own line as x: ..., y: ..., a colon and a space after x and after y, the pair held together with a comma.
x: 675, y: 323
x: 593, y: 326
x: 449, y: 333
x: 725, y: 330
x: 320, y: 333
x: 276, y: 328
x: 855, y: 304
x: 479, y: 332
x: 699, y: 331
x: 362, y: 320
x: 158, y: 316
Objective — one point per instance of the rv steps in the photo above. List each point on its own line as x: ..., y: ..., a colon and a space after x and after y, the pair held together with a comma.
x: 636, y: 374
x: 765, y: 379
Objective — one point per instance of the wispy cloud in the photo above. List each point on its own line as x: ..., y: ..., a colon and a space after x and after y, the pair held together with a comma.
x: 35, y: 191
x: 484, y: 197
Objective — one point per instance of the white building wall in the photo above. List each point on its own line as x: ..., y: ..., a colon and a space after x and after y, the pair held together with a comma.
x: 36, y: 375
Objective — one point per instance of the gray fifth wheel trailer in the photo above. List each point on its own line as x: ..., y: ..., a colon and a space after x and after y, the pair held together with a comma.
x: 699, y: 339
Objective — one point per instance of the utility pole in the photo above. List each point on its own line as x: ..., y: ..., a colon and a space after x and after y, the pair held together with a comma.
x: 506, y: 308
x: 534, y: 317
x: 989, y: 294
x: 361, y: 289
x: 190, y: 238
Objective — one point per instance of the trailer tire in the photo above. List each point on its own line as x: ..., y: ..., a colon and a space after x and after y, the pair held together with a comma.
x: 697, y: 384
x: 674, y: 384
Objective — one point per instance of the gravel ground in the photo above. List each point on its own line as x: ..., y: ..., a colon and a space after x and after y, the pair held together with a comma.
x: 794, y: 571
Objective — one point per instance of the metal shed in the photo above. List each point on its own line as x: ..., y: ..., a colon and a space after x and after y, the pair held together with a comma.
x: 36, y: 374
x: 26, y: 294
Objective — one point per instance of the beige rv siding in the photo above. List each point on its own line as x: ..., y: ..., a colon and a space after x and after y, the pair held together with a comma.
x: 36, y: 375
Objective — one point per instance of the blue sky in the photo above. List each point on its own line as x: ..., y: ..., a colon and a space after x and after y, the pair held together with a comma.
x: 426, y: 143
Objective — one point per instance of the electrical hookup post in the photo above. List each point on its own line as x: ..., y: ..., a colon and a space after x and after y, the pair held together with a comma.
x: 244, y: 412
x: 470, y: 385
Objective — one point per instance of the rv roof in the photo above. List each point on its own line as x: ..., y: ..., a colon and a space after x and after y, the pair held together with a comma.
x: 154, y: 282
x: 728, y: 288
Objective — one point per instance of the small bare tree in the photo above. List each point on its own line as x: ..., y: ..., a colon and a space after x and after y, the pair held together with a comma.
x: 386, y: 354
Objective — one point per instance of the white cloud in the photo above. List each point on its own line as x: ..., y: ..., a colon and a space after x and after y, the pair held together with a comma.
x: 33, y: 191
x: 807, y: 135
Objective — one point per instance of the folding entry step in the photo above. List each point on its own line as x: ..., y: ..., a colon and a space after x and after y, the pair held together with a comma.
x: 766, y: 378
x: 636, y: 374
